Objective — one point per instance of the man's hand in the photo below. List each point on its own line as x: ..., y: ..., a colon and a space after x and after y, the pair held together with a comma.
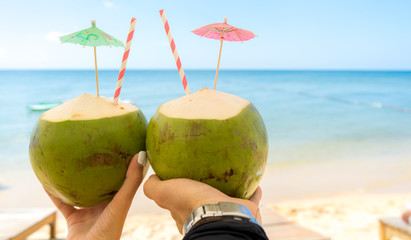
x: 182, y: 196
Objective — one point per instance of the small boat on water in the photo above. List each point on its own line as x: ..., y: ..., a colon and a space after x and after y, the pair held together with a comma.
x: 42, y: 106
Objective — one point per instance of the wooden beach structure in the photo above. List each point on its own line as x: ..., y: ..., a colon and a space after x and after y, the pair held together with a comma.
x: 19, y: 223
x: 278, y: 227
x: 394, y: 227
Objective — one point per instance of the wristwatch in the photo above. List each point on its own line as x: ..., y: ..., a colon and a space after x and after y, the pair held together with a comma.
x: 222, y: 211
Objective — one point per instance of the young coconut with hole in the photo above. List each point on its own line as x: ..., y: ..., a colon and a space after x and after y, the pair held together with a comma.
x: 209, y: 136
x: 81, y: 149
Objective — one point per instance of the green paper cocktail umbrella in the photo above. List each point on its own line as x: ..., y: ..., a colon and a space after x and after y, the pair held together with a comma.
x: 92, y: 37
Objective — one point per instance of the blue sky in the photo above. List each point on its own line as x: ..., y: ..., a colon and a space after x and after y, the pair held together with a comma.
x: 292, y: 34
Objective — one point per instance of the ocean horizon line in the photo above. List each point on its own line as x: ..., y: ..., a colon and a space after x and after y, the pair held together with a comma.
x: 207, y: 69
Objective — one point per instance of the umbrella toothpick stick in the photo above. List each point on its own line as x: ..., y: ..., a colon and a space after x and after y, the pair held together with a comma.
x: 224, y: 32
x: 218, y: 63
x: 92, y: 37
x: 95, y: 66
x: 219, y: 55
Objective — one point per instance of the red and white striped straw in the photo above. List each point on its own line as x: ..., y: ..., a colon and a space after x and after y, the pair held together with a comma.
x: 175, y: 53
x: 124, y: 62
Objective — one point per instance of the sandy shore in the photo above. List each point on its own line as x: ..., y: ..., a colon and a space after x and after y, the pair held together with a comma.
x: 349, y: 216
x: 341, y: 199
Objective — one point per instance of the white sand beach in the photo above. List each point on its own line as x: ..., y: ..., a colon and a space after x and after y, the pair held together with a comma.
x: 346, y: 216
x: 342, y: 200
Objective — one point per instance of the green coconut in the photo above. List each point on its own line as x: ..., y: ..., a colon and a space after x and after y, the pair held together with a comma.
x: 212, y: 137
x: 81, y: 149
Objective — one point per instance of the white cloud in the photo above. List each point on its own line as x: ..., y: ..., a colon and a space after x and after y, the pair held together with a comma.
x: 108, y: 4
x: 2, y: 52
x: 53, y: 36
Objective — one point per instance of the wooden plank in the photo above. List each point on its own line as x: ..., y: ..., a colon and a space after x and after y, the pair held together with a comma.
x: 278, y: 227
x: 395, y: 226
x: 270, y: 217
x: 382, y: 231
x: 292, y: 232
x: 17, y: 224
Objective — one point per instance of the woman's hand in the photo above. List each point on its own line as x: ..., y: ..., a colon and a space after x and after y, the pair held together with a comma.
x: 104, y: 221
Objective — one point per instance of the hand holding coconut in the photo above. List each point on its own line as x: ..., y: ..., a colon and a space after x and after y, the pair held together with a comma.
x: 104, y: 221
x: 181, y: 196
x: 81, y: 149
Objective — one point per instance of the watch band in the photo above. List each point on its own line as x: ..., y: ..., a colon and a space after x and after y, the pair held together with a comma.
x: 222, y: 211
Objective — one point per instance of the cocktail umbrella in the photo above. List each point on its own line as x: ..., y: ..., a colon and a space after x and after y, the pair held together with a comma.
x: 223, y: 31
x: 92, y: 37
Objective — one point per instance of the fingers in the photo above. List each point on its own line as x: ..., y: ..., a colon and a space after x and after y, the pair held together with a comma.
x: 179, y: 196
x: 256, y: 198
x: 182, y: 196
x: 65, y: 209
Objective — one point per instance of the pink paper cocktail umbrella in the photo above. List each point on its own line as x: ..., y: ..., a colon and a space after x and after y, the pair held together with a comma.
x: 223, y: 31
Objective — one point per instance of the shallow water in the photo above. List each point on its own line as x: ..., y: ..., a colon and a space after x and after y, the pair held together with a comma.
x: 309, y: 115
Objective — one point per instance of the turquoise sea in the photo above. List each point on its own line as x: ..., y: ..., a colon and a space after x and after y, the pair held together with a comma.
x: 309, y: 115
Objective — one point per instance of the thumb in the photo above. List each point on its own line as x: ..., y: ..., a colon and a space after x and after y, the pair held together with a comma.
x: 256, y: 197
x: 114, y: 215
x: 134, y: 177
x: 152, y: 187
